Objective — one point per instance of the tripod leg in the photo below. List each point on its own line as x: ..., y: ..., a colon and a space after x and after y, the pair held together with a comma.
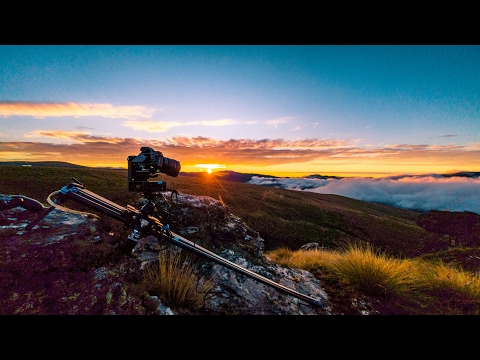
x: 128, y: 246
x: 131, y: 241
x: 40, y: 217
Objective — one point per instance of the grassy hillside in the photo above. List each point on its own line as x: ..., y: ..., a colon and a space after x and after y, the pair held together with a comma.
x: 287, y: 219
x: 62, y: 164
x: 39, y: 182
x: 292, y: 218
x: 284, y: 218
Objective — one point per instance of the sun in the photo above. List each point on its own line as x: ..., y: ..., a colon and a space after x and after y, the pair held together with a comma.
x: 209, y: 167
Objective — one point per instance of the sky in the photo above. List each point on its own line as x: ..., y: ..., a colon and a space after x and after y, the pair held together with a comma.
x: 369, y: 111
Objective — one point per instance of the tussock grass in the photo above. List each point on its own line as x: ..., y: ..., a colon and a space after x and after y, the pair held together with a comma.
x: 440, y: 277
x: 375, y: 272
x: 308, y: 260
x: 173, y: 280
x: 435, y: 286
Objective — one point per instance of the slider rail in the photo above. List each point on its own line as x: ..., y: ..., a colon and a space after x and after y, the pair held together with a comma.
x: 131, y: 216
x: 80, y: 194
x: 192, y: 247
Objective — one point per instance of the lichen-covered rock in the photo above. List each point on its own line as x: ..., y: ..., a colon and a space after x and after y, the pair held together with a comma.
x: 238, y: 294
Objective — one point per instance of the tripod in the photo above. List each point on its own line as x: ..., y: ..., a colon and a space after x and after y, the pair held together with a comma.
x: 146, y: 221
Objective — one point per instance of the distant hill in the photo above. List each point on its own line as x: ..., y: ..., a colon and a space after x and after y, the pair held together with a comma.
x: 323, y: 177
x: 472, y: 174
x: 61, y: 164
x: 227, y: 175
x: 469, y: 174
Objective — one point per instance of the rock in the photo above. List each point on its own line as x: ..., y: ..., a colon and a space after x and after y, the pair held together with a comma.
x: 311, y: 246
x: 12, y: 201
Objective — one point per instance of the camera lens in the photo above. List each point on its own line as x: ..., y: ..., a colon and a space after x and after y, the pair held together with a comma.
x: 170, y: 167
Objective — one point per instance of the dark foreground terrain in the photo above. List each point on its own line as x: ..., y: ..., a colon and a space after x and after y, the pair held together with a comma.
x: 82, y: 270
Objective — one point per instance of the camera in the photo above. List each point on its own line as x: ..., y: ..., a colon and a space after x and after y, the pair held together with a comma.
x: 149, y: 164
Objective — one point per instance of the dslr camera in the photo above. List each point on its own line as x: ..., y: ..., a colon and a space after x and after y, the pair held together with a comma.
x: 144, y: 168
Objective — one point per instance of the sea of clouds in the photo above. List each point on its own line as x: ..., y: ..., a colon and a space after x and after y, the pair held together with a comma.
x: 421, y: 192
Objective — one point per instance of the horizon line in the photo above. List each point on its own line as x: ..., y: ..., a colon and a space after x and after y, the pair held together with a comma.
x: 278, y: 174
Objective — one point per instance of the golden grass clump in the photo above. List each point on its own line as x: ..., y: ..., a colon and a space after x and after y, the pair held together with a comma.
x: 375, y: 272
x: 173, y: 280
x: 308, y: 260
x: 441, y: 278
x: 442, y: 288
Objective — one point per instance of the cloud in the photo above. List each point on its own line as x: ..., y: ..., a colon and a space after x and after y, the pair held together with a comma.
x: 275, y: 122
x: 442, y: 136
x: 73, y: 136
x: 426, y: 192
x: 246, y: 152
x: 194, y: 150
x: 164, y: 126
x: 151, y: 126
x: 57, y: 134
x: 43, y: 110
x: 220, y: 122
x: 210, y: 166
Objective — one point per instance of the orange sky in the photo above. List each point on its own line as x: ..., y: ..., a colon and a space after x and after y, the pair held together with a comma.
x: 270, y: 157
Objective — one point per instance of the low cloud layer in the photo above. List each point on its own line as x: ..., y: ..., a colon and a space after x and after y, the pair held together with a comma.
x: 428, y: 192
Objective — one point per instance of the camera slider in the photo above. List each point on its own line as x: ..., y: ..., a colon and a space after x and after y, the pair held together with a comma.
x: 145, y: 224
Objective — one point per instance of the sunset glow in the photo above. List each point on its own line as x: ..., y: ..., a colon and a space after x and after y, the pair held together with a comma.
x: 291, y: 111
x: 206, y: 167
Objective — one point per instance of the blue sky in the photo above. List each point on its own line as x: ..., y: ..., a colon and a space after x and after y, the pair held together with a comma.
x: 350, y: 110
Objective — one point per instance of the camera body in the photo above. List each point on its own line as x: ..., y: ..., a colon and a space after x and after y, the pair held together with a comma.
x: 146, y: 166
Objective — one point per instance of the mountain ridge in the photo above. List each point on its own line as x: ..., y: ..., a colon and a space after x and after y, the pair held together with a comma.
x: 228, y: 175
